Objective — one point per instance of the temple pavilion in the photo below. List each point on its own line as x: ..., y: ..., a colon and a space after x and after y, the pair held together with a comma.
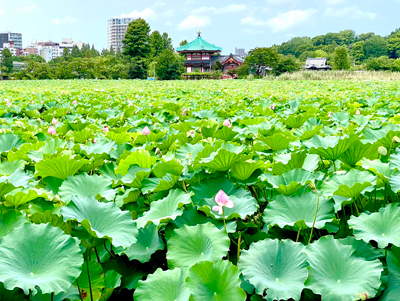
x: 201, y: 55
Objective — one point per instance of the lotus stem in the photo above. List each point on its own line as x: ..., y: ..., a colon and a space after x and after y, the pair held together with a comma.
x: 239, y: 243
x: 315, y: 217
x: 88, y: 273
x: 79, y: 290
x: 223, y: 215
x: 52, y: 296
x: 355, y: 205
x: 298, y: 235
x: 97, y: 255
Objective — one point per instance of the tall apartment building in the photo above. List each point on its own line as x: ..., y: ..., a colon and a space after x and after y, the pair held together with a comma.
x: 7, y: 37
x: 116, y: 31
x: 240, y: 52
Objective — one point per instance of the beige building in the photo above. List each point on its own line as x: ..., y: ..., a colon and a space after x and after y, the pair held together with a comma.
x: 116, y: 32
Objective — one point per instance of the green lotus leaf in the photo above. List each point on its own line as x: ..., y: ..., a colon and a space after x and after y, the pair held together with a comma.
x: 243, y: 170
x: 165, y: 209
x: 119, y: 138
x: 276, y: 142
x: 39, y: 255
x: 295, y: 121
x: 148, y: 242
x: 192, y: 217
x: 112, y: 280
x: 362, y: 249
x: 225, y: 133
x: 190, y: 245
x: 342, y: 118
x: 382, y: 170
x: 330, y: 148
x: 9, y: 141
x: 215, y: 281
x: 61, y: 167
x: 10, y: 220
x: 295, y: 160
x: 102, y: 220
x: 130, y: 196
x: 140, y: 157
x: 81, y: 136
x: 382, y: 226
x: 206, y: 190
x: 135, y: 176
x: 223, y: 158
x: 7, y: 168
x: 299, y: 210
x: 290, y: 181
x: 383, y: 135
x: 349, y: 185
x: 71, y: 294
x: 159, y: 184
x: 21, y: 152
x: 52, y: 219
x: 392, y: 292
x: 173, y: 167
x: 14, y: 295
x: 277, y: 268
x: 101, y: 146
x: 84, y: 185
x: 20, y: 196
x: 188, y: 152
x: 19, y: 178
x: 357, y: 151
x: 91, y: 280
x: 337, y: 274
x: 394, y: 181
x: 209, y: 131
x: 50, y: 147
x: 163, y: 285
x: 395, y: 161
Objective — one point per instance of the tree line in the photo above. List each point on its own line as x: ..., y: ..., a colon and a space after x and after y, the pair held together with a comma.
x: 149, y: 53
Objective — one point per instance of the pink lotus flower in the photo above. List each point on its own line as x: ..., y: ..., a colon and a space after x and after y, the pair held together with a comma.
x: 227, y: 123
x: 8, y: 104
x: 281, y: 98
x: 146, y: 131
x: 223, y: 201
x: 183, y: 112
x: 330, y: 114
x: 358, y: 112
x: 94, y: 141
x: 273, y: 108
x: 54, y: 121
x: 51, y: 130
x: 106, y: 129
x: 75, y: 102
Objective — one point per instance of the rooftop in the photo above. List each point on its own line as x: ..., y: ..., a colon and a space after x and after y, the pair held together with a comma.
x: 199, y: 44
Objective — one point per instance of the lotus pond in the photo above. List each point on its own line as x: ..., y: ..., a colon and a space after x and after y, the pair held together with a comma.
x: 205, y: 190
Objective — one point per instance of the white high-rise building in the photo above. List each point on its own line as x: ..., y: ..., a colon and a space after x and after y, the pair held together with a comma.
x: 116, y: 32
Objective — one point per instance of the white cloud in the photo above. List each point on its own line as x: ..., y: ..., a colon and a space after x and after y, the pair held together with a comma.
x: 283, y: 21
x: 335, y: 2
x: 67, y: 20
x: 1, y: 11
x: 351, y: 11
x: 26, y: 8
x: 232, y: 8
x: 194, y: 22
x: 168, y: 24
x: 147, y: 13
x: 290, y: 19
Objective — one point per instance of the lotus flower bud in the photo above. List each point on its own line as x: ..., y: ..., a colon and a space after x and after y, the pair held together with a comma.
x: 396, y: 139
x: 51, y: 130
x: 330, y: 114
x: 54, y: 121
x: 358, y: 112
x: 106, y: 129
x: 382, y: 150
x: 272, y: 107
x: 222, y: 200
x: 146, y: 131
x: 227, y: 123
x: 75, y: 102
x: 94, y: 141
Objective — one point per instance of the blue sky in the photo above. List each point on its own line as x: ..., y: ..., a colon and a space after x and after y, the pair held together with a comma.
x: 228, y: 24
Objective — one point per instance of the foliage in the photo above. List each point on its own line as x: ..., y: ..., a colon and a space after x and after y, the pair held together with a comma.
x: 122, y: 200
x: 6, y: 65
x: 137, y: 40
x: 169, y: 66
x: 341, y: 58
x: 261, y: 59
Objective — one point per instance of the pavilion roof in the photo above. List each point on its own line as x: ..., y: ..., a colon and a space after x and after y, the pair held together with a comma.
x: 199, y: 44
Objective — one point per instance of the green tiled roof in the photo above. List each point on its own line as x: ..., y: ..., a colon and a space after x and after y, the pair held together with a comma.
x: 199, y: 44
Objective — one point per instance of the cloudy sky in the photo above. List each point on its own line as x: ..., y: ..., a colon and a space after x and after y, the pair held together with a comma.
x: 228, y: 24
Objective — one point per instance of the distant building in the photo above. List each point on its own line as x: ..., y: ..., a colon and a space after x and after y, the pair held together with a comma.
x: 68, y: 43
x: 7, y: 37
x: 318, y: 64
x: 116, y: 31
x: 48, y: 50
x: 201, y: 55
x: 240, y: 52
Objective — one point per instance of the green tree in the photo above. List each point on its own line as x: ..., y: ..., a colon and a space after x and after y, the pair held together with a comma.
x: 260, y: 59
x: 76, y: 52
x: 6, y: 61
x: 111, y: 52
x: 287, y: 63
x: 156, y: 43
x: 376, y: 46
x: 167, y: 42
x: 365, y: 36
x: 379, y: 64
x: 137, y: 40
x: 357, y: 51
x: 105, y: 52
x: 94, y: 52
x: 66, y: 54
x: 341, y: 58
x: 217, y: 66
x: 118, y: 53
x: 169, y: 65
x: 184, y: 42
x: 393, y: 45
